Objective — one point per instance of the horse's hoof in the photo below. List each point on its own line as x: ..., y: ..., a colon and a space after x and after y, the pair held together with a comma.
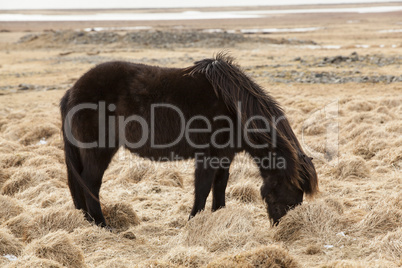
x: 108, y: 228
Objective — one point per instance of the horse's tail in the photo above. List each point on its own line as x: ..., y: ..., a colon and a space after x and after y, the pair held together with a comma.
x: 72, y: 157
x: 71, y: 152
x: 245, y: 98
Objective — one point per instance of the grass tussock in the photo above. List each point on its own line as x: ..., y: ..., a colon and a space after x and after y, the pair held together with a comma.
x: 225, y: 229
x: 39, y: 160
x: 22, y: 179
x: 56, y: 171
x: 9, y: 208
x: 33, y: 261
x: 313, y: 249
x: 246, y: 193
x: 362, y: 150
x: 17, y: 224
x: 39, y: 131
x: 188, y: 256
x: 57, y: 246
x: 314, y: 130
x: 92, y: 238
x: 45, y: 192
x: 394, y: 126
x: 136, y: 173
x: 266, y: 256
x: 120, y: 216
x: 383, y: 218
x: 4, y: 176
x: 316, y: 222
x: 243, y: 168
x: 9, y: 244
x: 53, y: 220
x: 51, y: 151
x: 346, y: 264
x: 335, y: 204
x: 395, y: 159
x: 351, y: 167
x: 389, y: 245
x: 7, y: 146
x: 117, y: 263
x: 14, y: 159
x: 155, y: 264
x: 360, y: 106
x: 170, y: 178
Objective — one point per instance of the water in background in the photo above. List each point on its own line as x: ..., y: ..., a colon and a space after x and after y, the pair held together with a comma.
x: 96, y: 4
x: 185, y: 15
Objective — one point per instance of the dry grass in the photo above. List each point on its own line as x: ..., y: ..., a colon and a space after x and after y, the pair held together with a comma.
x: 267, y: 256
x: 14, y: 159
x: 354, y: 222
x: 136, y: 174
x: 246, y: 193
x: 351, y: 167
x: 228, y: 228
x: 32, y: 261
x: 312, y: 222
x: 389, y: 245
x: 7, y: 146
x: 120, y: 216
x: 22, y: 179
x: 57, y: 246
x: 346, y: 264
x: 17, y: 224
x: 9, y: 244
x: 52, y: 220
x: 188, y: 256
x: 381, y: 219
x: 9, y: 208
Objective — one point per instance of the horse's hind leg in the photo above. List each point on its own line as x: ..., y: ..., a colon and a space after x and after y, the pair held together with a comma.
x: 219, y: 187
x: 204, y: 175
x: 95, y: 163
x: 77, y: 194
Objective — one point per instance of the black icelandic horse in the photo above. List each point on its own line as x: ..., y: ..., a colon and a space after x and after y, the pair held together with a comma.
x: 145, y: 108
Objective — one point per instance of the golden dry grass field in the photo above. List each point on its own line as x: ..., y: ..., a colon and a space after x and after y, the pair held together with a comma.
x: 351, y: 62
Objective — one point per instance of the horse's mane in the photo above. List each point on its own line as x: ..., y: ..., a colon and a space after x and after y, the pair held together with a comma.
x: 246, y: 98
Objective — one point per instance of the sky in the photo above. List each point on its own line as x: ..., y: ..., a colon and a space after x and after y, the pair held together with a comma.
x: 94, y: 4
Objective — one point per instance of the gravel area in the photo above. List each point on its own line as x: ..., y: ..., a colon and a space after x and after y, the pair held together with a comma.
x: 352, y: 60
x: 154, y: 38
x: 311, y: 77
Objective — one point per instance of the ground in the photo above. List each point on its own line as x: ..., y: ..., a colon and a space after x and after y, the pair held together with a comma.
x: 341, y: 88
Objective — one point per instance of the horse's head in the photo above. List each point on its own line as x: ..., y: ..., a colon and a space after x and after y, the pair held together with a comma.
x: 280, y: 196
x: 281, y: 193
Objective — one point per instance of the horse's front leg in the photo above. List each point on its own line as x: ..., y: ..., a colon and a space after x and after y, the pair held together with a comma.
x: 219, y: 187
x: 204, y: 176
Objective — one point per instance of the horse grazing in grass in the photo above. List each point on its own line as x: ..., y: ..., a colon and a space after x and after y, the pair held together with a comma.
x: 209, y: 111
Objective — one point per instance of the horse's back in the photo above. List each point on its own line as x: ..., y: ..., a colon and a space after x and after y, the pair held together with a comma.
x: 109, y: 80
x: 162, y: 97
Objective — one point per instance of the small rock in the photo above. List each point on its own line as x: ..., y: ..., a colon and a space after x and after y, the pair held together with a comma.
x: 24, y: 87
x: 129, y: 235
